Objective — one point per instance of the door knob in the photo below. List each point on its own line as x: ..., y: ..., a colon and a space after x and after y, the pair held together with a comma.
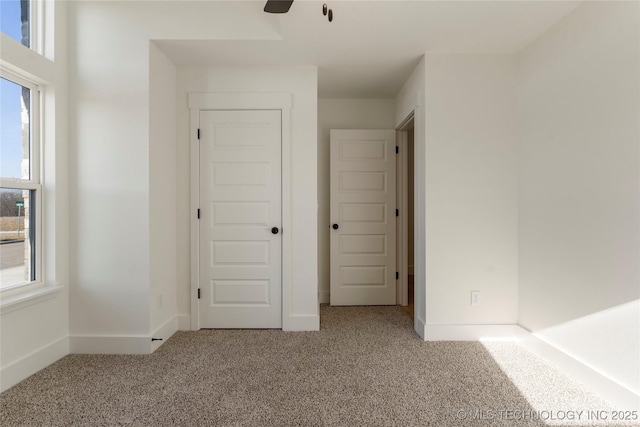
x: 335, y: 226
x: 275, y: 230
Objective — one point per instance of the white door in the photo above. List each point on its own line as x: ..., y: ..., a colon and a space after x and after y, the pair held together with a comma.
x: 363, y: 217
x: 240, y: 219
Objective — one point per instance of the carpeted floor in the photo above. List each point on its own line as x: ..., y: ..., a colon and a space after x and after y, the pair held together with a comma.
x: 366, y: 366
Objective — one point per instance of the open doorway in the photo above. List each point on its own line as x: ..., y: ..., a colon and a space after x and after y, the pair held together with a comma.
x: 405, y: 223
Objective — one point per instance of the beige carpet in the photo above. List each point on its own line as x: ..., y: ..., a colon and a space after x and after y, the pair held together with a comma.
x: 365, y: 367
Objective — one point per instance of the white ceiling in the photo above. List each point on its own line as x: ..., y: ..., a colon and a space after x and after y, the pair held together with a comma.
x: 371, y: 47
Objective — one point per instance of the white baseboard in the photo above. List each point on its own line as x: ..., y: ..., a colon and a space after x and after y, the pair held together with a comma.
x: 109, y: 344
x: 184, y: 322
x: 28, y: 365
x: 164, y: 332
x: 324, y: 297
x: 122, y: 344
x: 620, y: 396
x: 472, y: 332
x: 302, y: 323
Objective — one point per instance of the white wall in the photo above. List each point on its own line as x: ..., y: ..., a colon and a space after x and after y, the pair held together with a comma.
x: 410, y: 98
x: 471, y: 190
x: 579, y: 110
x: 34, y: 333
x: 341, y: 114
x: 109, y: 64
x: 301, y: 82
x: 162, y: 190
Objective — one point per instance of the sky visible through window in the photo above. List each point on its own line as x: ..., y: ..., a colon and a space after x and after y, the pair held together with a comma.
x: 11, y: 132
x: 10, y: 19
x: 10, y: 94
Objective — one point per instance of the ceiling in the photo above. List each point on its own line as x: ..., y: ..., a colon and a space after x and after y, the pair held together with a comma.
x: 371, y: 47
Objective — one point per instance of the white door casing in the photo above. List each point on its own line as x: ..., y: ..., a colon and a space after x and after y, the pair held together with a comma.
x: 240, y: 192
x: 363, y: 246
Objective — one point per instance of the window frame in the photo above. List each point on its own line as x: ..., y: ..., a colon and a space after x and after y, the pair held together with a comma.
x: 36, y: 33
x: 34, y: 183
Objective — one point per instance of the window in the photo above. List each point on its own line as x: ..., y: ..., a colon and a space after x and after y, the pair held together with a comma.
x: 20, y: 192
x: 15, y: 20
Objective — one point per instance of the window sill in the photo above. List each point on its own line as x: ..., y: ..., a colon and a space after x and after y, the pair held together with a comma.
x: 13, y: 301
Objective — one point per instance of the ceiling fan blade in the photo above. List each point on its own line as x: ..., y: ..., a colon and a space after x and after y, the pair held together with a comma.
x: 278, y: 6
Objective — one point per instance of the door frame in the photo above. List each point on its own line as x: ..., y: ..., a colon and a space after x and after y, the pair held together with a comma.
x: 419, y: 210
x: 402, y: 188
x: 402, y: 291
x: 240, y: 101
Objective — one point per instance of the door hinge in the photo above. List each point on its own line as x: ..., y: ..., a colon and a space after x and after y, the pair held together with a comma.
x: 397, y: 149
x: 397, y: 276
x: 198, y: 213
x: 397, y: 212
x: 198, y: 133
x: 198, y: 293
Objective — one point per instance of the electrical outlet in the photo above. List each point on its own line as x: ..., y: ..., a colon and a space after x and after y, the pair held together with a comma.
x: 161, y: 301
x: 475, y: 297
